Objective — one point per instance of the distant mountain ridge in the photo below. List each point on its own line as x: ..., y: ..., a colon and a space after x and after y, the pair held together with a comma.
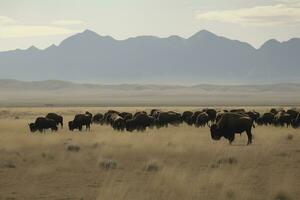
x: 202, y: 58
x: 14, y: 85
x: 63, y: 93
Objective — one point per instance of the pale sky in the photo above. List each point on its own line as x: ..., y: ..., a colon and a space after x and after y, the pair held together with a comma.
x: 44, y: 22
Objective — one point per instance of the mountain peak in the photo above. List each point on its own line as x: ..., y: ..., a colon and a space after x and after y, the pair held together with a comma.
x: 270, y: 43
x: 86, y: 37
x: 89, y: 32
x: 203, y: 34
x: 33, y: 48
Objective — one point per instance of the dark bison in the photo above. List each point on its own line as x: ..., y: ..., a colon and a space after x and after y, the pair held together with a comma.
x: 117, y: 122
x: 98, y: 118
x: 140, y: 122
x: 212, y: 114
x: 229, y: 125
x: 79, y: 121
x: 296, y: 122
x: 194, y: 116
x: 266, y: 119
x: 202, y: 119
x: 107, y: 116
x: 294, y: 113
x: 282, y: 119
x: 57, y: 118
x: 166, y: 118
x: 41, y: 124
x: 187, y: 117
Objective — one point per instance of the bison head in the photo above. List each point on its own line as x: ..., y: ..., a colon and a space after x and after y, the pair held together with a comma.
x: 32, y: 127
x: 214, y: 131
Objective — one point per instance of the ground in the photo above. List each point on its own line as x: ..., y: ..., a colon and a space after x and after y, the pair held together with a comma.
x: 170, y: 163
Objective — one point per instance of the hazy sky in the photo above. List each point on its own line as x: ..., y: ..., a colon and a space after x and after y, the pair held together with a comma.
x: 43, y: 22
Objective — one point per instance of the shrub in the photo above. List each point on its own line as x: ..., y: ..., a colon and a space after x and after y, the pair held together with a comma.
x: 108, y: 164
x: 152, y: 166
x: 7, y: 164
x: 282, y: 196
x: 290, y: 137
x: 73, y: 147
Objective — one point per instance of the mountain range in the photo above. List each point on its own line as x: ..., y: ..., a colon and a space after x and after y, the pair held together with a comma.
x: 202, y: 58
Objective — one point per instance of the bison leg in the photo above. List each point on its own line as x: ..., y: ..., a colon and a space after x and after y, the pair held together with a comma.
x: 231, y: 139
x: 249, y: 134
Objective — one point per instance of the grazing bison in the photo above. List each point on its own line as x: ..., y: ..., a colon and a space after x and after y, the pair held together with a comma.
x: 98, y: 118
x: 266, y: 119
x: 296, y: 122
x: 194, y: 116
x: 212, y: 114
x: 41, y: 124
x: 294, y: 113
x: 282, y: 119
x: 117, y: 122
x: 166, y: 118
x: 107, y: 116
x: 140, y: 122
x: 187, y: 117
x: 57, y: 118
x: 229, y: 125
x: 202, y: 119
x: 79, y: 121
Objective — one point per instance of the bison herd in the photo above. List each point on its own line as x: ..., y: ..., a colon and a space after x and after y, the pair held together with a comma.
x: 225, y: 123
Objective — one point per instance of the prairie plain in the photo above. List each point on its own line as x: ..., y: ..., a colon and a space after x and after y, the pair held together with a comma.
x: 168, y: 163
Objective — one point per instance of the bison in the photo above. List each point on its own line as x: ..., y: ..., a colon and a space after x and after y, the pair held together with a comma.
x: 57, y: 118
x: 187, y: 117
x: 212, y: 114
x: 296, y: 122
x: 98, y: 118
x: 140, y: 122
x: 166, y: 118
x: 79, y: 121
x: 117, y: 122
x: 41, y: 124
x: 202, y: 119
x: 229, y: 125
x: 282, y: 119
x: 266, y: 119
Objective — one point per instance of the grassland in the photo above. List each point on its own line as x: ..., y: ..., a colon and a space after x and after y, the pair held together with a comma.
x: 167, y: 164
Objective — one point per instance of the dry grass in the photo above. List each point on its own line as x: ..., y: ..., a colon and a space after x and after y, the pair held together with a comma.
x: 182, y: 159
